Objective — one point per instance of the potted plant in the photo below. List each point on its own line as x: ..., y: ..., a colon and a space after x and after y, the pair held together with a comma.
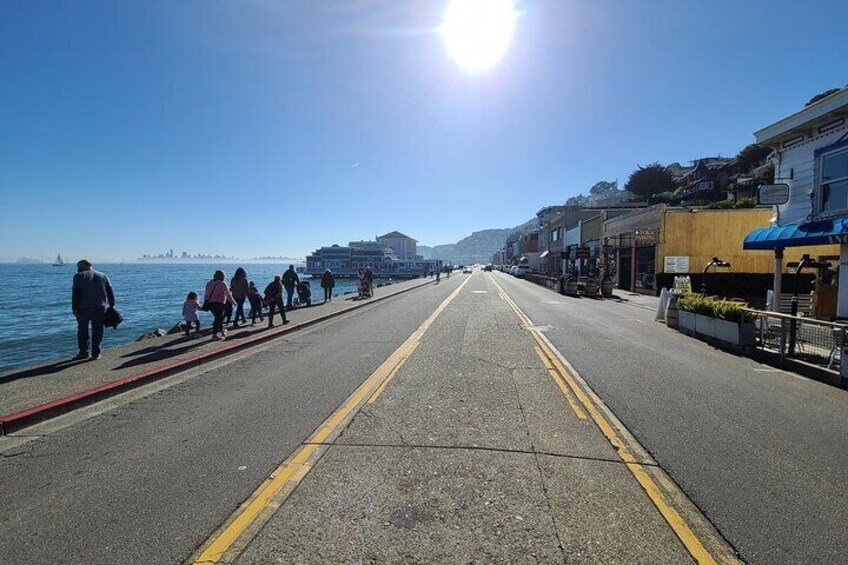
x: 716, y: 318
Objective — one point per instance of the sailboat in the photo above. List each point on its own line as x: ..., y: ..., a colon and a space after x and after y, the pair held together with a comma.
x: 59, y: 262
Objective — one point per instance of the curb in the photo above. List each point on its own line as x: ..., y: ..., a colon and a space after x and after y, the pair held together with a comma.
x: 20, y: 420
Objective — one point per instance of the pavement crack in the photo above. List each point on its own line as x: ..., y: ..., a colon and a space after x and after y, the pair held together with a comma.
x: 367, y: 413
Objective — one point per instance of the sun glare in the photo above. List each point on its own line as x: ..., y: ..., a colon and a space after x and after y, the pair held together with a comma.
x: 477, y: 33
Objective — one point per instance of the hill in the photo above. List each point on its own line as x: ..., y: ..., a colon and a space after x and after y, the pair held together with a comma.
x: 476, y: 248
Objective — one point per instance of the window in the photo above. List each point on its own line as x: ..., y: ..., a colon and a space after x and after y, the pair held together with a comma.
x: 555, y: 235
x: 833, y: 180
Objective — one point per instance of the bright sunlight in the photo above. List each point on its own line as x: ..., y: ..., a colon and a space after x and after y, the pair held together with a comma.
x: 477, y: 33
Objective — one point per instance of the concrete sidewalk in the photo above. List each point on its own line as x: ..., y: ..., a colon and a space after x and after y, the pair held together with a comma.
x: 471, y: 454
x: 25, y: 388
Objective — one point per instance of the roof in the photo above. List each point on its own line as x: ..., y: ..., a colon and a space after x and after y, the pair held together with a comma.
x: 396, y: 235
x: 798, y: 235
x: 803, y: 117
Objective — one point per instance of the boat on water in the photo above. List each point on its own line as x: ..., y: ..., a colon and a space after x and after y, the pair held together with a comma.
x: 59, y: 262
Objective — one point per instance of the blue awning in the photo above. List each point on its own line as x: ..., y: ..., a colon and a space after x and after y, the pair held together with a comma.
x: 798, y: 235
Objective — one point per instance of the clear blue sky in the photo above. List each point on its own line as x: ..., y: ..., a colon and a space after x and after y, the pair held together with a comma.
x: 270, y: 128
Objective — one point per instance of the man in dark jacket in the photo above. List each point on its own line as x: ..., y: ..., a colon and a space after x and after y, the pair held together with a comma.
x: 369, y: 280
x: 90, y: 297
x: 274, y: 300
x: 290, y: 280
x: 328, y: 281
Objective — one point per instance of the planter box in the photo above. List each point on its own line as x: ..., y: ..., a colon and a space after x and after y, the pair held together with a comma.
x: 686, y: 321
x: 714, y: 328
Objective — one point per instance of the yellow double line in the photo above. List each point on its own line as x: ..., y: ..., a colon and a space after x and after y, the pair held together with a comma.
x: 552, y: 359
x: 234, y: 534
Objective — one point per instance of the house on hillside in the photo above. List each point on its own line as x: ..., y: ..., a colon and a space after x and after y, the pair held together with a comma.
x: 810, y: 155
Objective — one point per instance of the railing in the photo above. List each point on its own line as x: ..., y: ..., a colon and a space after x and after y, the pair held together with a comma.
x: 798, y: 337
x: 543, y: 280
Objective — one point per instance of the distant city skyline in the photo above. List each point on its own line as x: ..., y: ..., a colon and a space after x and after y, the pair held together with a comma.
x: 259, y: 128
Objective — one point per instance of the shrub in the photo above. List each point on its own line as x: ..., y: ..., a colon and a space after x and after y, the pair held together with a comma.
x: 715, y: 308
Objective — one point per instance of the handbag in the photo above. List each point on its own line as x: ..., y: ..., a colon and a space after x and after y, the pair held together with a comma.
x: 206, y: 304
x: 112, y: 318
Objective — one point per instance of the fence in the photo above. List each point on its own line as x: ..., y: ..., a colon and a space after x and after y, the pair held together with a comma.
x: 814, y: 341
x: 543, y: 280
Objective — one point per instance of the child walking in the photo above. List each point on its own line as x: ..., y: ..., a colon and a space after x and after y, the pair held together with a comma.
x: 255, y: 299
x: 190, y: 309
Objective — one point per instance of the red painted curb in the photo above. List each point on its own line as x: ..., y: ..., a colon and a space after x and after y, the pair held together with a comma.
x: 19, y: 420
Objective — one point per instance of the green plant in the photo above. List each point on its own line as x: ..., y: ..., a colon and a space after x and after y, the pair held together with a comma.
x: 715, y: 308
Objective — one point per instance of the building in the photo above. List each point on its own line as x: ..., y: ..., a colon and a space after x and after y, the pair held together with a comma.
x: 380, y: 255
x: 810, y: 155
x: 640, y: 248
x: 404, y: 247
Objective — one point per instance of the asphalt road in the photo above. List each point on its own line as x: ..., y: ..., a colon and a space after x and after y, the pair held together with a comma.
x: 763, y: 453
x: 149, y: 481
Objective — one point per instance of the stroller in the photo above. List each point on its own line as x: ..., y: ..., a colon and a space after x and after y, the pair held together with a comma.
x: 304, y: 294
x: 364, y: 289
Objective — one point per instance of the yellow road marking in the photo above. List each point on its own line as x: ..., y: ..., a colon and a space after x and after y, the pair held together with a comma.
x: 296, y: 466
x: 562, y: 386
x: 382, y: 386
x: 680, y: 527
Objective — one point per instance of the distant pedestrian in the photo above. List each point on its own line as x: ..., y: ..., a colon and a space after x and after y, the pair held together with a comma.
x: 255, y: 303
x: 328, y: 281
x: 290, y: 280
x: 91, y: 295
x: 216, y: 298
x: 190, y: 309
x: 274, y: 299
x: 239, y: 286
x: 369, y: 280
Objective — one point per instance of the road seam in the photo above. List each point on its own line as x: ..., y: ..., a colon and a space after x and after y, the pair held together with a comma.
x: 233, y: 536
x: 660, y: 488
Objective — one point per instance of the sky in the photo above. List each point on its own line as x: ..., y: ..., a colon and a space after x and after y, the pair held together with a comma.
x: 261, y: 127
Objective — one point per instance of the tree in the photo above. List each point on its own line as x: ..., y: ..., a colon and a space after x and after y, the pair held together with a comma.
x: 821, y: 95
x: 649, y: 180
x: 603, y: 187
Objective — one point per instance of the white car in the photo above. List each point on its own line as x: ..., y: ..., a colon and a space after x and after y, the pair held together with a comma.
x: 519, y: 271
x: 466, y: 271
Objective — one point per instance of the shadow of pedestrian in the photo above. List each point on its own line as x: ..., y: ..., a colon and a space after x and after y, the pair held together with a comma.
x: 41, y: 370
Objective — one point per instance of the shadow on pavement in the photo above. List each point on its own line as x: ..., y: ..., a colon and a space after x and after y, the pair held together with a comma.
x: 42, y: 370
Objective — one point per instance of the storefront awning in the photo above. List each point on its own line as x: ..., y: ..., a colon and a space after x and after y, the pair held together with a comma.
x: 543, y: 254
x: 798, y: 235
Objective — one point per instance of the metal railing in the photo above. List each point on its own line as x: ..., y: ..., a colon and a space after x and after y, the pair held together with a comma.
x: 797, y: 337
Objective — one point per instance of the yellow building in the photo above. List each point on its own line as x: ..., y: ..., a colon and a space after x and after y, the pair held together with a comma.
x: 665, y: 240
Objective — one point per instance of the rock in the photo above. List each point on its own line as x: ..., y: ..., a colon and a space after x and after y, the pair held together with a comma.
x: 159, y: 332
x: 177, y: 329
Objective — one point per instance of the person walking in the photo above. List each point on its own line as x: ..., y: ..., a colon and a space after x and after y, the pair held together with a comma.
x: 369, y: 280
x: 91, y: 295
x: 274, y: 299
x: 216, y: 298
x: 239, y: 286
x: 328, y: 281
x: 255, y: 304
x: 290, y: 280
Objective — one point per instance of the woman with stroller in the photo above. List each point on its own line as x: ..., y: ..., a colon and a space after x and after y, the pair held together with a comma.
x: 328, y: 281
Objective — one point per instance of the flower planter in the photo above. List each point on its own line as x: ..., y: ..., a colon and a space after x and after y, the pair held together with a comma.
x: 686, y: 321
x: 730, y: 332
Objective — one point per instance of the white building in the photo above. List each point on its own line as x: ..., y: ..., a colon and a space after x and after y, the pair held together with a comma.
x: 811, y: 157
x: 403, y: 246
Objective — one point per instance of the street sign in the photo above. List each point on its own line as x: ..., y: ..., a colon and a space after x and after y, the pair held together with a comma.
x: 583, y: 252
x: 774, y: 194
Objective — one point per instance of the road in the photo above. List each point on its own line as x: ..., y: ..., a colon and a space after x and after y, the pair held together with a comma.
x: 149, y: 479
x: 762, y: 452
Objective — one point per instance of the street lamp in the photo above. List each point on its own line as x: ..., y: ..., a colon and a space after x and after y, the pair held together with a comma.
x: 715, y: 262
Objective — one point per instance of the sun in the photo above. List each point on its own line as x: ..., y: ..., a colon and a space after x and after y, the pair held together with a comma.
x: 477, y: 33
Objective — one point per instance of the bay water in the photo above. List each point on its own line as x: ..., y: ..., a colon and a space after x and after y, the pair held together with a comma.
x: 40, y: 326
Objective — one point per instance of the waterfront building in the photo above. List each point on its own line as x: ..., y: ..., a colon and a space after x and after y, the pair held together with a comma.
x: 380, y: 255
x: 810, y: 155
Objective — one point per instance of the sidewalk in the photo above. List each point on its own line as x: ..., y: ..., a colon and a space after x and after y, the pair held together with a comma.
x: 25, y: 388
x: 470, y: 454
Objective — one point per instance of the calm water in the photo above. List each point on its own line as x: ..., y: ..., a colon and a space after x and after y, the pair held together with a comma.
x: 148, y: 297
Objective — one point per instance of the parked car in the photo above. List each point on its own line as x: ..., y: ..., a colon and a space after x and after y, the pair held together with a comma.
x: 487, y: 268
x: 520, y: 270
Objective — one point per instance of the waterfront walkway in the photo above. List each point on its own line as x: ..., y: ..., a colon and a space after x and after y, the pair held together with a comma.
x: 28, y: 387
x: 483, y: 419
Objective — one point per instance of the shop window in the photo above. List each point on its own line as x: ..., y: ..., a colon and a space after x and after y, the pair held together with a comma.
x: 833, y: 181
